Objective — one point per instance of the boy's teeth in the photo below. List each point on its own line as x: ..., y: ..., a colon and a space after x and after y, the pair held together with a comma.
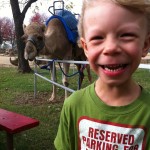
x: 112, y: 70
x: 114, y: 67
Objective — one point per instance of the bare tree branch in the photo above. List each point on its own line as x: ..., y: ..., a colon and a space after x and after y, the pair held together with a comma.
x: 28, y: 4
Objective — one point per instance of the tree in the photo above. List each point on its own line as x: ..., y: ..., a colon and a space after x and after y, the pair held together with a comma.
x: 1, y: 40
x: 18, y: 16
x: 40, y: 18
x: 69, y: 5
x: 7, y: 30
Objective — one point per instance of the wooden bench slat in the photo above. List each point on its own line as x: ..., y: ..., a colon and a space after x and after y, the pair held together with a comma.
x: 13, y: 122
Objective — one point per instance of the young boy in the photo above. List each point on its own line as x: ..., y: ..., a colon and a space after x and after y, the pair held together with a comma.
x: 113, y: 113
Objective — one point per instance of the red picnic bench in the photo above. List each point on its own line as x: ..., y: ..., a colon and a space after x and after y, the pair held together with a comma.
x: 12, y: 123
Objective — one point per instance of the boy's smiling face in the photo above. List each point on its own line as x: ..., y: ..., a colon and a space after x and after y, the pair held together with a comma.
x: 114, y: 41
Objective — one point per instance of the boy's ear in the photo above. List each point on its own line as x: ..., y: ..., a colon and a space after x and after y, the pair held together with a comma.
x: 84, y: 46
x: 146, y: 47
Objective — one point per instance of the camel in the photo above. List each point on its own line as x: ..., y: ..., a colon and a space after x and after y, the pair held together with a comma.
x: 53, y: 42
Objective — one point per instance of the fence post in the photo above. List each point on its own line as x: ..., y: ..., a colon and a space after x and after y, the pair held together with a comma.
x: 35, y: 80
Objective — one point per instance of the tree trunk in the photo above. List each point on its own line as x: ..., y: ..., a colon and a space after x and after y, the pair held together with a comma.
x: 1, y: 40
x: 23, y: 65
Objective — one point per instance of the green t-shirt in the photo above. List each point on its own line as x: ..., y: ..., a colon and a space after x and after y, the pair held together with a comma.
x: 87, y: 123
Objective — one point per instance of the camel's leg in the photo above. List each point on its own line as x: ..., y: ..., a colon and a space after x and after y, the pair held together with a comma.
x: 80, y: 69
x: 53, y: 78
x: 65, y: 79
x: 89, y: 73
x: 81, y: 75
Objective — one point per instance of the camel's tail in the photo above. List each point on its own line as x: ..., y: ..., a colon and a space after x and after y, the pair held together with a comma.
x: 14, y: 62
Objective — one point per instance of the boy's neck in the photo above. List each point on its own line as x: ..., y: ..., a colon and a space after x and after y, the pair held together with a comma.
x: 118, y: 95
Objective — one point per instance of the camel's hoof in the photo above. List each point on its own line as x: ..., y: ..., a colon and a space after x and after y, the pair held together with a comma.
x: 52, y: 101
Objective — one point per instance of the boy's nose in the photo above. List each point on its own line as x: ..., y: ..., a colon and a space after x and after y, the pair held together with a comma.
x: 111, y: 46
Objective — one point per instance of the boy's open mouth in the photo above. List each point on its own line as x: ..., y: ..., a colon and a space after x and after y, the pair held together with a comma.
x: 114, y: 68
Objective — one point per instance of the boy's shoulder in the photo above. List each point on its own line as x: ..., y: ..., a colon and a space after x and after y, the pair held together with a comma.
x: 79, y: 96
x: 146, y: 97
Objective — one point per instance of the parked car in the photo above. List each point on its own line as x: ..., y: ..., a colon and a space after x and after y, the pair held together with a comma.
x: 6, y: 45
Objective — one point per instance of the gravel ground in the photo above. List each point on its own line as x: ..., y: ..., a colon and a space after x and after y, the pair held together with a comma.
x: 5, y: 60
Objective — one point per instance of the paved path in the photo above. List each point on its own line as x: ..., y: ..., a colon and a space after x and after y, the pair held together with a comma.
x: 4, y: 61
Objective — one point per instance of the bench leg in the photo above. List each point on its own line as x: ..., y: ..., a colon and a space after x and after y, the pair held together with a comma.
x: 9, y: 141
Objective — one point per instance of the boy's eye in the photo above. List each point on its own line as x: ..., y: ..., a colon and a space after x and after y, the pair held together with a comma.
x: 128, y: 35
x: 97, y: 38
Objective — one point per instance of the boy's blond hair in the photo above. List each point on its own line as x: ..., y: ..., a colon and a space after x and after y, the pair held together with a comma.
x: 141, y: 6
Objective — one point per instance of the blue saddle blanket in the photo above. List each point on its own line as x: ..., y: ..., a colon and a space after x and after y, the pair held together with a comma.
x: 69, y: 22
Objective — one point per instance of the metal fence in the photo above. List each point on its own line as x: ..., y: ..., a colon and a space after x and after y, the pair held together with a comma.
x: 51, y: 81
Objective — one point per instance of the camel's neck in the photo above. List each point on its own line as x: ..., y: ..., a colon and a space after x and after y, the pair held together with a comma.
x: 44, y: 51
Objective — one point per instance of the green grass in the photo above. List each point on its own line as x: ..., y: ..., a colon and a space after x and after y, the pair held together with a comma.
x: 12, y: 86
x: 16, y: 88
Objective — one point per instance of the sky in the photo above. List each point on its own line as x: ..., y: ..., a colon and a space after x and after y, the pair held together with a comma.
x: 43, y: 5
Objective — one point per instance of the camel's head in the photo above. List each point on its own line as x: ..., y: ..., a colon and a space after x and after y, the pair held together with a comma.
x: 34, y: 40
